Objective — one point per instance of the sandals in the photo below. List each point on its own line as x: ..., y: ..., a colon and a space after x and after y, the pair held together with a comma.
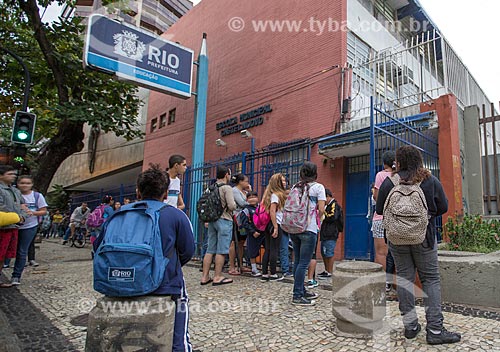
x: 224, y: 281
x: 206, y: 282
x: 6, y: 285
x: 234, y: 272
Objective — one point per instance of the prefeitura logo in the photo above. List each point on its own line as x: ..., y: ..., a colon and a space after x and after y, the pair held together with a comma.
x: 127, y: 45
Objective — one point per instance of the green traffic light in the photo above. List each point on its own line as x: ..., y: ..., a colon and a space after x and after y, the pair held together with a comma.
x: 22, y: 135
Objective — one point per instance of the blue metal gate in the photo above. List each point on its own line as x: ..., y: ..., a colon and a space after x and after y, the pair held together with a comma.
x: 259, y: 166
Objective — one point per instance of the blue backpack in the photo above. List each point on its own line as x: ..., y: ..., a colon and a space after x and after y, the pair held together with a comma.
x: 129, y: 261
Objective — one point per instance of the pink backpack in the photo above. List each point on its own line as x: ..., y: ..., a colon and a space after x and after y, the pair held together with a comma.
x: 296, y: 209
x: 96, y: 217
x: 261, y: 218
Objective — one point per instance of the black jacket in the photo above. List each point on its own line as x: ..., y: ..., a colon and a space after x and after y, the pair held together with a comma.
x: 437, y: 203
x: 333, y: 223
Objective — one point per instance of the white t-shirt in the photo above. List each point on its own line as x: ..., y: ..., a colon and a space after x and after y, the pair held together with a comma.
x: 279, y: 213
x: 316, y: 193
x: 174, y: 189
x: 32, y: 221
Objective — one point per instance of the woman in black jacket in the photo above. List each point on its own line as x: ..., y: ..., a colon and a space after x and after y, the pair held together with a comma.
x: 421, y: 258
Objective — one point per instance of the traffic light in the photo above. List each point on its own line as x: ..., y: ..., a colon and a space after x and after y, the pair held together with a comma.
x: 24, y: 127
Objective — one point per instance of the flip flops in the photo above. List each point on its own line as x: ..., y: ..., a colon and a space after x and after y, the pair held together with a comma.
x: 224, y: 281
x: 6, y: 285
x: 233, y: 272
x: 206, y: 282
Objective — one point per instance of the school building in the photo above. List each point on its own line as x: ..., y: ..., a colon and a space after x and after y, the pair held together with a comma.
x: 334, y: 82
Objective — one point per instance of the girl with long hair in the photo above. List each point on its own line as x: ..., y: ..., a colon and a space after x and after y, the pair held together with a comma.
x: 274, y: 200
x: 421, y: 258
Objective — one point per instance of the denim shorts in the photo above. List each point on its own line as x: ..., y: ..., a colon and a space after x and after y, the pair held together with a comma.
x: 328, y: 248
x: 378, y: 229
x: 219, y: 236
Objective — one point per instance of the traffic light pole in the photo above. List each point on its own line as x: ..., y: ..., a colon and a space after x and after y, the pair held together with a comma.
x: 26, y: 77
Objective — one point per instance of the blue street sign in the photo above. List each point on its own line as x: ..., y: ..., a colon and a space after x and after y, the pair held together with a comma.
x: 137, y: 56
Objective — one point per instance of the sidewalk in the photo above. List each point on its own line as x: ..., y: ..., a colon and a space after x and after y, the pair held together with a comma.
x: 48, y: 313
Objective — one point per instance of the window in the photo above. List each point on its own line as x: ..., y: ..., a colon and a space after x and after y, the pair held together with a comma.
x: 163, y: 120
x: 154, y: 124
x: 171, y: 116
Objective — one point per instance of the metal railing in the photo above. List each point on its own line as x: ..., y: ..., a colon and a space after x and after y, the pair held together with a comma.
x: 418, y: 70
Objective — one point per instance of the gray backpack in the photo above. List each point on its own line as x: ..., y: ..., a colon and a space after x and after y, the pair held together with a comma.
x: 406, y: 215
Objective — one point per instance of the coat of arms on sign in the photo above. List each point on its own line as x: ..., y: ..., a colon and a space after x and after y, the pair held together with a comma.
x: 127, y: 45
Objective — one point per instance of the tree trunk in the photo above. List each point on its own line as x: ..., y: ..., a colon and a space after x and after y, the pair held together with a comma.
x: 68, y: 141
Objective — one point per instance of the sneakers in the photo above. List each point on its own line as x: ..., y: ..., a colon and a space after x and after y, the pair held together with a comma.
x: 5, y: 266
x: 33, y: 263
x: 256, y: 273
x: 287, y: 275
x: 312, y: 284
x: 310, y: 295
x: 275, y: 277
x: 442, y: 338
x: 15, y: 281
x: 302, y: 301
x: 64, y: 242
x: 264, y: 277
x: 324, y: 275
x: 412, y: 333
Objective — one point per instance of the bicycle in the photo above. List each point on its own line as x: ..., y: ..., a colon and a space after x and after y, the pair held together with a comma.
x: 79, y: 238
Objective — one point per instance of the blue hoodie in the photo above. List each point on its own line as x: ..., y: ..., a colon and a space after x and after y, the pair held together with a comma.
x: 176, y: 230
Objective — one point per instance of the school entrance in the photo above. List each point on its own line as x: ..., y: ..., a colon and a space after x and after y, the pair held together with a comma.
x: 363, y: 148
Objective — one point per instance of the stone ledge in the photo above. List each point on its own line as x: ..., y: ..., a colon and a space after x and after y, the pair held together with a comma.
x: 470, y: 279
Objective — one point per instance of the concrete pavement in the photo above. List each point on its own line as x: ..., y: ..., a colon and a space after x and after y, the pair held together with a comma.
x: 47, y: 312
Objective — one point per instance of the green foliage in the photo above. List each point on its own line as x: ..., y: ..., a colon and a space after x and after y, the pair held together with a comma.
x: 472, y: 233
x: 94, y: 97
x: 58, y: 198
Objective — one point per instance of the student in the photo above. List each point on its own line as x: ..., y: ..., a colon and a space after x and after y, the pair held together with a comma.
x: 377, y: 221
x: 27, y: 231
x: 240, y: 195
x: 274, y: 200
x: 255, y: 239
x: 220, y: 232
x: 176, y: 232
x: 421, y: 258
x: 177, y: 166
x: 305, y: 243
x: 332, y: 224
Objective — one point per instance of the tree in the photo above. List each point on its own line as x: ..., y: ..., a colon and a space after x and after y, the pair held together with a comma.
x: 64, y: 95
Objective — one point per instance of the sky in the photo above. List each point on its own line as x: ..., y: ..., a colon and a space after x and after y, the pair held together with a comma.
x: 471, y: 27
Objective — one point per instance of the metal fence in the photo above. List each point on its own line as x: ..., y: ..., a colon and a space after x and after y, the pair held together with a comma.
x: 418, y: 70
x: 93, y: 199
x: 259, y: 166
x: 490, y: 139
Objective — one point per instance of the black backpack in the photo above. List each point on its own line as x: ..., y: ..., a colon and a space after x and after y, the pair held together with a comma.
x: 209, y: 206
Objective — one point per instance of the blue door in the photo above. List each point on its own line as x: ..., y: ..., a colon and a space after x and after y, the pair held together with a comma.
x: 358, y: 238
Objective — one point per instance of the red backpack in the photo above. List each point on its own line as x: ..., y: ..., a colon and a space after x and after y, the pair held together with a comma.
x: 261, y: 218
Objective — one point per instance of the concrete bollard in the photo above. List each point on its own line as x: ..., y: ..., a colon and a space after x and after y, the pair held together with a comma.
x: 131, y: 324
x: 358, y: 297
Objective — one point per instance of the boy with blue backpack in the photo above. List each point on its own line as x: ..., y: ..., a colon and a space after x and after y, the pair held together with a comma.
x: 142, y: 250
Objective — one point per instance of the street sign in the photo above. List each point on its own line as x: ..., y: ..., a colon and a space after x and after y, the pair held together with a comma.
x: 23, y: 129
x: 135, y: 55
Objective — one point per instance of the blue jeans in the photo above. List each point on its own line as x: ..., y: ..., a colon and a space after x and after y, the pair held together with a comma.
x: 303, y: 249
x: 23, y: 242
x: 284, y: 256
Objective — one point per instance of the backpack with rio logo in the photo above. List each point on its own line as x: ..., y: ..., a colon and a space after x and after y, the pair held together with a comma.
x: 296, y: 209
x: 96, y: 217
x: 209, y: 206
x: 406, y: 214
x: 261, y: 217
x: 130, y: 261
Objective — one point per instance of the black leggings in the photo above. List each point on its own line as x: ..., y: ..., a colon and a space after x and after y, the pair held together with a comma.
x: 272, y: 246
